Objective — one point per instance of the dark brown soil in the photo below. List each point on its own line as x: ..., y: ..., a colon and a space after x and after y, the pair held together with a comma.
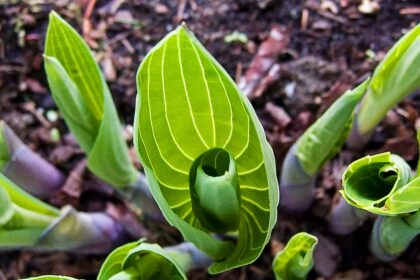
x: 327, y: 54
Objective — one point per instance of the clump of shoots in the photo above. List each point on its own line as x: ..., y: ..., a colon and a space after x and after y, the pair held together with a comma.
x: 295, y: 261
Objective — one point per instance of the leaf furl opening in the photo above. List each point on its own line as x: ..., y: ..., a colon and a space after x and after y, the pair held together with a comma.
x: 214, y: 189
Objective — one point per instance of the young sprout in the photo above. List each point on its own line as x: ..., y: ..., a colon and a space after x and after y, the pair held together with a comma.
x: 208, y: 163
x: 28, y: 222
x: 382, y: 184
x: 141, y: 260
x: 317, y: 145
x: 23, y: 166
x: 82, y: 95
x: 296, y: 260
x: 397, y: 76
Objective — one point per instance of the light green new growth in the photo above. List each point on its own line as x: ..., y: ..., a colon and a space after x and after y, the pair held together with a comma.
x: 188, y: 105
x: 81, y: 93
x: 296, y: 260
x: 325, y: 137
x: 381, y: 185
x: 139, y: 260
x: 397, y: 76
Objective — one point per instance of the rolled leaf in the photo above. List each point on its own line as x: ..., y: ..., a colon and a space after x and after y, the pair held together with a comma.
x: 80, y: 91
x: 324, y: 138
x: 391, y: 236
x: 188, y: 108
x: 296, y: 260
x: 320, y: 142
x: 139, y: 260
x: 381, y: 185
x: 26, y: 168
x: 397, y: 76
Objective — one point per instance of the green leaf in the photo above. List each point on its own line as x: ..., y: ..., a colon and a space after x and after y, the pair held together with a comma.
x: 139, y: 260
x: 397, y: 76
x: 186, y: 106
x: 324, y: 138
x: 81, y: 93
x: 381, y: 184
x: 296, y: 259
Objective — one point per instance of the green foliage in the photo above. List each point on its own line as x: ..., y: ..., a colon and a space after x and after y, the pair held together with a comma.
x: 80, y: 91
x: 397, y: 76
x: 381, y: 184
x: 324, y: 138
x: 187, y: 105
x: 50, y: 277
x: 296, y: 260
x: 139, y: 260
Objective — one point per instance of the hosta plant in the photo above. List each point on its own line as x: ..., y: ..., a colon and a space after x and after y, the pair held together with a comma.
x: 383, y: 184
x: 295, y: 261
x: 204, y: 152
x: 27, y: 222
x: 82, y: 95
x: 320, y: 142
x: 397, y: 76
x: 26, y: 168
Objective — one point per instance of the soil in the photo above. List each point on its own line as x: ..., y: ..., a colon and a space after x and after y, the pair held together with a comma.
x: 332, y: 47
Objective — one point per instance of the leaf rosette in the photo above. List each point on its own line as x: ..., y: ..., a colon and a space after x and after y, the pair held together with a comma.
x: 381, y: 184
x: 204, y: 152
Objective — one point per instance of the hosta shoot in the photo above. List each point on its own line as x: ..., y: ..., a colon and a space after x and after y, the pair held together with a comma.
x: 141, y: 260
x: 381, y: 185
x: 50, y: 277
x: 82, y: 95
x: 26, y: 168
x: 295, y: 261
x: 206, y: 158
x: 396, y: 77
x: 318, y: 144
x: 27, y: 222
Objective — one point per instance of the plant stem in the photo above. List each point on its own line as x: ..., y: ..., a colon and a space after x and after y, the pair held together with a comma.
x: 139, y: 194
x: 188, y: 256
x: 344, y: 218
x: 27, y: 169
x: 296, y: 186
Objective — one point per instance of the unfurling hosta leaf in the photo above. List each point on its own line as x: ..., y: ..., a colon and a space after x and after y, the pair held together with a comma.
x: 325, y: 137
x: 139, y: 260
x: 296, y: 260
x: 381, y: 184
x: 397, y: 76
x: 204, y: 152
x: 80, y: 91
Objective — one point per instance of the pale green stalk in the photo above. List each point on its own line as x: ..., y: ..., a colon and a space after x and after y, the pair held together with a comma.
x: 23, y: 166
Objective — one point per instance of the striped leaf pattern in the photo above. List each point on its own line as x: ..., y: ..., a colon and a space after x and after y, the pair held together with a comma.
x: 187, y: 105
